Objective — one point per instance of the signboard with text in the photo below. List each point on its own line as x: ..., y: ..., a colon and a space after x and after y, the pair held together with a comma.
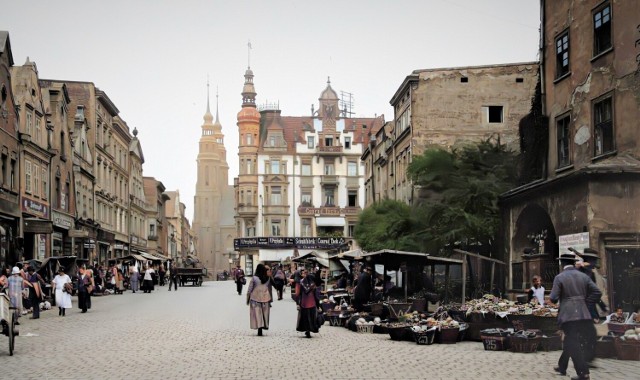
x: 578, y: 242
x: 289, y: 242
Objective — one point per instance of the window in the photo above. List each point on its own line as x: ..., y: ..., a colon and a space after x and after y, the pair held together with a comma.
x: 328, y: 141
x: 249, y: 139
x: 351, y: 229
x: 329, y: 169
x: 562, y: 55
x: 306, y: 198
x: 602, y: 30
x: 63, y: 149
x: 494, y: 114
x: 352, y: 169
x: 311, y: 142
x: 45, y: 186
x: 35, y: 170
x: 306, y: 169
x: 306, y: 227
x: 464, y: 80
x: 272, y: 141
x: 347, y: 142
x: 250, y: 230
x: 3, y: 170
x: 56, y: 200
x: 29, y: 122
x: 152, y: 230
x: 275, y: 227
x: 275, y: 167
x: 352, y: 198
x: 562, y: 130
x: 276, y: 195
x: 38, y: 131
x: 402, y: 122
x: 328, y: 197
x: 27, y: 176
x: 13, y: 174
x: 603, y: 125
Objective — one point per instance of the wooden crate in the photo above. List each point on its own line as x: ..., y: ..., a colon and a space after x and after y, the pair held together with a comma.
x: 495, y: 343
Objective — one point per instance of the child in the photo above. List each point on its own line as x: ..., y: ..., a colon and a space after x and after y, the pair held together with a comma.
x: 536, y: 292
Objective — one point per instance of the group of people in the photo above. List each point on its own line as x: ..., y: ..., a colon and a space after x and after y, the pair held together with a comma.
x: 260, y: 296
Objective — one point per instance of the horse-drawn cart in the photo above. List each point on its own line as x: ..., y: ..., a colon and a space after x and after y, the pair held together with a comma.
x: 193, y: 275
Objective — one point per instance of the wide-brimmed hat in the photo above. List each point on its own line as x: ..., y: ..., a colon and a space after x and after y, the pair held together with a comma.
x: 590, y: 254
x: 568, y: 257
x: 15, y: 270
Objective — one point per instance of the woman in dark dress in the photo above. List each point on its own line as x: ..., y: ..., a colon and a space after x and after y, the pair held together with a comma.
x: 307, y: 304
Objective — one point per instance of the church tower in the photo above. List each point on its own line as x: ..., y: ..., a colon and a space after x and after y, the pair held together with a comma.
x: 212, y: 191
x: 247, y: 183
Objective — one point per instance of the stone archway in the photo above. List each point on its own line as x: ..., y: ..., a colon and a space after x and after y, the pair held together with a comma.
x: 533, y: 220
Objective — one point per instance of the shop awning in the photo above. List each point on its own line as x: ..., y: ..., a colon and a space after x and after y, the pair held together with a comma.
x: 330, y: 222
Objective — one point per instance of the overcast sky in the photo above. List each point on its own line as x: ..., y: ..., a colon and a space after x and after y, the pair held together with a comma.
x: 153, y: 57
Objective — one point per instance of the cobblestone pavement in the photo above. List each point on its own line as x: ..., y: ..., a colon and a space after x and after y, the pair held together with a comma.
x: 203, y: 333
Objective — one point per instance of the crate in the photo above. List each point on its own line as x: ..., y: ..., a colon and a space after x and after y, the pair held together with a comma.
x: 627, y: 349
x: 425, y: 337
x: 398, y: 309
x: 462, y: 332
x: 495, y: 342
x: 336, y: 320
x: 448, y: 336
x: 620, y: 328
x: 365, y: 329
x: 524, y: 345
x: 550, y: 343
x: 396, y: 333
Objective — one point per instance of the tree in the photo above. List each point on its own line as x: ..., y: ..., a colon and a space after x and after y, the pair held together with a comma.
x: 462, y: 186
x: 385, y: 225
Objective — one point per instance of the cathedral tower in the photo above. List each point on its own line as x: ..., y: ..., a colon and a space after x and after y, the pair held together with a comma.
x: 213, y: 194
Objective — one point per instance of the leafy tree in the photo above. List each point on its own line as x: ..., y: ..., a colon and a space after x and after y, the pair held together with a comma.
x: 385, y: 225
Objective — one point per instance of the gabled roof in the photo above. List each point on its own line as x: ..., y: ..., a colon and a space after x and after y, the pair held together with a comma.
x: 5, y: 46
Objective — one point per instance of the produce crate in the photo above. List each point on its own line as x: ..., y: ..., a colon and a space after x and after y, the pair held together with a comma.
x: 463, y: 331
x: 524, y: 345
x: 397, y: 309
x: 627, y: 349
x: 365, y: 329
x: 620, y: 328
x: 495, y: 342
x: 551, y: 343
x: 425, y: 337
x: 335, y: 319
x: 448, y: 336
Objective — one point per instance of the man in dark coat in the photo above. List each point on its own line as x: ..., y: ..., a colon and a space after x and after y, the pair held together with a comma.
x: 238, y: 277
x: 362, y: 294
x: 574, y: 290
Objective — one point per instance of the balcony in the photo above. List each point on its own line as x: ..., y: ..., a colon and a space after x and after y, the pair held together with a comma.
x: 152, y: 237
x: 329, y: 180
x: 247, y: 210
x: 275, y: 210
x: 330, y: 150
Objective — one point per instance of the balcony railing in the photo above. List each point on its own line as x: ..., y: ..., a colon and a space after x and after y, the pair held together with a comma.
x: 330, y: 150
x: 329, y: 180
x: 244, y: 209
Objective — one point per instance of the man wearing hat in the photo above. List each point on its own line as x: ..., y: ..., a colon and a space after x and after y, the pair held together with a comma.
x: 574, y: 289
x: 589, y: 262
x: 16, y: 284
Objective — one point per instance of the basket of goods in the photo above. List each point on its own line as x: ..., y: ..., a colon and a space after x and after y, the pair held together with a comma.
x: 628, y: 345
x: 376, y: 309
x: 551, y: 342
x: 526, y: 341
x: 605, y: 347
x: 397, y: 331
x: 495, y: 339
x: 365, y: 328
x: 396, y: 309
x: 327, y: 305
x: 423, y: 334
x: 463, y: 327
x: 419, y: 304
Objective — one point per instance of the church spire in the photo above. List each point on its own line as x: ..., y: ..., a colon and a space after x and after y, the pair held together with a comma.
x: 208, y: 118
x: 208, y: 111
x: 217, y: 119
x: 248, y: 91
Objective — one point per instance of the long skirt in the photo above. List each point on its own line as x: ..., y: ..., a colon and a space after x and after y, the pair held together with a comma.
x: 63, y: 299
x: 307, y: 320
x: 133, y: 281
x: 147, y: 285
x: 259, y: 313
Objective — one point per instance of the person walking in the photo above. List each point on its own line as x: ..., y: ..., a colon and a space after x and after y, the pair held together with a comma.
x: 362, y: 293
x: 35, y: 291
x: 147, y: 281
x: 83, y: 289
x: 62, y: 291
x: 574, y: 289
x: 161, y: 274
x: 307, y: 304
x: 238, y: 277
x: 173, y: 277
x: 16, y: 284
x: 279, y: 279
x: 259, y: 298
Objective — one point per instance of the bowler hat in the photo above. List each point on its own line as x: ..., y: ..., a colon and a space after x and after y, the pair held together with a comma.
x: 589, y: 255
x: 567, y: 257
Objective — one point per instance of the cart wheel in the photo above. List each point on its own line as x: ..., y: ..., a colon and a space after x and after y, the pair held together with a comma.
x: 11, y: 335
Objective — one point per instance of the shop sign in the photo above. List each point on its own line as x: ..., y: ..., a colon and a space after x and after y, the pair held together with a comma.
x: 327, y: 211
x: 289, y: 242
x: 61, y: 220
x: 578, y: 242
x: 118, y: 246
x: 34, y: 207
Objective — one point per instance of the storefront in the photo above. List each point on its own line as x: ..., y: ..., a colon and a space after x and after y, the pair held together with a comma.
x: 9, y: 221
x: 61, y: 244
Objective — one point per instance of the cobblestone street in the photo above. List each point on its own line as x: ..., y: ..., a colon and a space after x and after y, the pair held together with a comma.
x: 203, y: 333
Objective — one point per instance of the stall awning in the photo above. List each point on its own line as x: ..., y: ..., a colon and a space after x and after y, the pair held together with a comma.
x: 330, y: 222
x: 138, y: 257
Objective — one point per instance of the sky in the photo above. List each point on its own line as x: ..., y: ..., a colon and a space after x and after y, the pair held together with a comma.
x: 153, y: 58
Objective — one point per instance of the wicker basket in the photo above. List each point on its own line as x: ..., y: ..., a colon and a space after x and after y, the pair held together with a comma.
x: 627, y: 349
x: 620, y: 328
x: 495, y: 342
x: 524, y: 345
x: 550, y: 343
x: 365, y: 329
x: 328, y: 306
x: 397, y: 309
x: 605, y: 348
x: 419, y: 304
x: 376, y: 309
x: 425, y: 337
x: 396, y: 333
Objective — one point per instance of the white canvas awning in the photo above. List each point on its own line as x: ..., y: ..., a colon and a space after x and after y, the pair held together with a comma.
x: 330, y: 222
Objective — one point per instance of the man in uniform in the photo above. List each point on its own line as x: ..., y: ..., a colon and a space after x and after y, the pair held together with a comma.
x: 574, y: 290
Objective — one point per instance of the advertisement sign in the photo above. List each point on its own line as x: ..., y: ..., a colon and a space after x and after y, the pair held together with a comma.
x: 576, y: 241
x: 289, y: 242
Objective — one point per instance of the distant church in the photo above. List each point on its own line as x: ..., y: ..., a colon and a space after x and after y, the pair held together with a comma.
x: 213, y: 220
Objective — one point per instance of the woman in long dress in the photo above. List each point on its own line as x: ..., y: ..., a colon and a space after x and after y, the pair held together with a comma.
x: 307, y: 304
x: 259, y: 298
x: 147, y: 282
x: 63, y: 298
